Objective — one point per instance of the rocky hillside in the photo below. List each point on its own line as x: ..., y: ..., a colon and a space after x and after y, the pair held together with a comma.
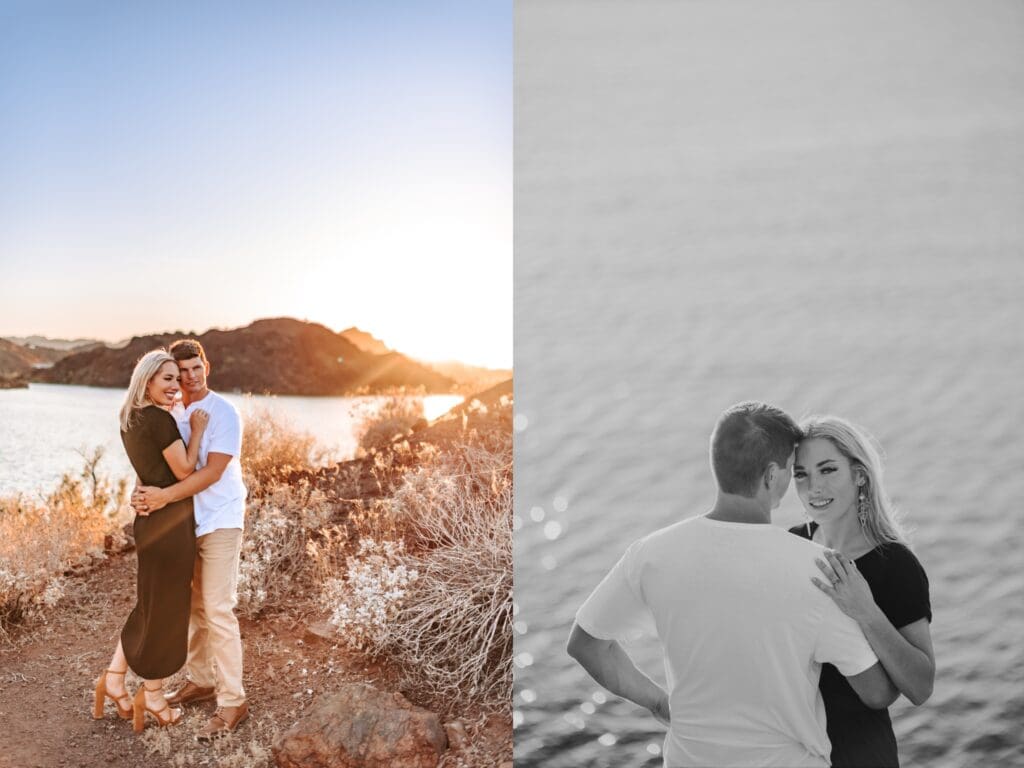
x: 279, y: 356
x: 17, y: 361
x: 61, y: 345
x: 468, y: 378
x: 365, y: 341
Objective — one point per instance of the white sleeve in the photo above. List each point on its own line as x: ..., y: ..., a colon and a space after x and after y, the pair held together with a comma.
x: 841, y: 643
x: 615, y: 610
x: 225, y: 432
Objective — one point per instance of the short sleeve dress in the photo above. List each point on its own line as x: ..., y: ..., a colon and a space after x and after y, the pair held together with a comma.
x: 862, y: 736
x: 155, y: 636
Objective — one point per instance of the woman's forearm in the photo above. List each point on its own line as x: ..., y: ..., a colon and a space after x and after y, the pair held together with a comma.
x: 909, y: 667
x: 192, y: 451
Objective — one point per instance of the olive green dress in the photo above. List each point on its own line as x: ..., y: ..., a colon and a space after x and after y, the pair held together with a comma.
x: 155, y: 636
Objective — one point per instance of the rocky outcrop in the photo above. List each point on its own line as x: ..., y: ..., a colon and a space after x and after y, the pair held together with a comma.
x: 17, y: 360
x: 365, y: 341
x: 361, y: 727
x: 13, y: 381
x: 280, y: 356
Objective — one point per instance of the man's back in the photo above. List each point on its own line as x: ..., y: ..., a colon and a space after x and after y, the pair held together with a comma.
x: 744, y: 633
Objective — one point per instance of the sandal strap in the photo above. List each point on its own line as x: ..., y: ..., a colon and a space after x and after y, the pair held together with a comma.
x: 165, y: 708
x: 115, y: 672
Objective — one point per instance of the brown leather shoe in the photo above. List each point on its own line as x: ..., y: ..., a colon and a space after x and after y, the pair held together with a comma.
x: 190, y: 693
x: 224, y: 720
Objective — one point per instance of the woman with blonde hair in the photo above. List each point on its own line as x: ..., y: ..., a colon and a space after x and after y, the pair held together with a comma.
x: 154, y: 639
x: 872, y: 576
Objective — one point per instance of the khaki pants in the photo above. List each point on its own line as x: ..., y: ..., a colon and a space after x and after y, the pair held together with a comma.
x: 214, y: 641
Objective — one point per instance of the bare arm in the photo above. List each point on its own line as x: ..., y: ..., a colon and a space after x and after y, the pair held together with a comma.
x: 612, y: 668
x: 150, y: 499
x: 181, y: 460
x: 906, y: 654
x: 874, y: 687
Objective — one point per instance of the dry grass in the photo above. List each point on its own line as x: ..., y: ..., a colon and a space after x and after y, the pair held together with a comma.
x: 380, y: 423
x: 41, y: 541
x: 272, y: 447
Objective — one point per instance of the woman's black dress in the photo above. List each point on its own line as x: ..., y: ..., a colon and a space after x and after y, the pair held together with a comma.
x: 155, y: 636
x: 862, y: 737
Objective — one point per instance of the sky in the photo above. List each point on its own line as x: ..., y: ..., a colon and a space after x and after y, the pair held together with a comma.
x: 183, y: 166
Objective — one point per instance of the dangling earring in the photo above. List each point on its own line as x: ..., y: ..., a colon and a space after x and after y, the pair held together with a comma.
x: 863, y: 505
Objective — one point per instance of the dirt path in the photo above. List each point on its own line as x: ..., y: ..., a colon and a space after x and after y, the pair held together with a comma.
x: 48, y: 672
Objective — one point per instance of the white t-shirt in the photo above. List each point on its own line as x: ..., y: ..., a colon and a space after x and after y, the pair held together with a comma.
x: 744, y: 633
x: 222, y: 505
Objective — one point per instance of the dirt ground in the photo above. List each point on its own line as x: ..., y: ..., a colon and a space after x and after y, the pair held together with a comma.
x: 48, y: 671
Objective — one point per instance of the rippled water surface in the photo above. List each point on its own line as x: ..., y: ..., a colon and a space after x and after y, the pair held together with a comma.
x: 813, y: 203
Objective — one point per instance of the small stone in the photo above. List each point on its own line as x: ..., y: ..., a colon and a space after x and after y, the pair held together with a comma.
x: 457, y: 736
x: 321, y: 632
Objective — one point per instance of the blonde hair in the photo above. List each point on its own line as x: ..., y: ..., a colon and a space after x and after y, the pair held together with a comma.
x: 137, y: 397
x: 882, y: 523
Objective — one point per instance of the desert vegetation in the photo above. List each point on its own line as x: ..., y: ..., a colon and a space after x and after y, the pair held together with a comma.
x: 417, y: 572
x: 401, y: 558
x: 44, y: 540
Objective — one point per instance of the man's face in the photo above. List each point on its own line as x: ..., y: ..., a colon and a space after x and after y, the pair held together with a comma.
x: 193, y: 375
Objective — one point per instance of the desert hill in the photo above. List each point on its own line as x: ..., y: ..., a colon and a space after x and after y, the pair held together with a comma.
x: 64, y: 345
x: 18, y: 362
x: 280, y: 356
x: 468, y: 378
x: 365, y: 341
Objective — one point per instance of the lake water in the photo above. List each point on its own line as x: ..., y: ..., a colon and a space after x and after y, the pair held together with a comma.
x: 42, y: 427
x: 818, y: 204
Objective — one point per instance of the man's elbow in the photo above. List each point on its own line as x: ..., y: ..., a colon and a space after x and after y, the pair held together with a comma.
x: 582, y: 646
x: 574, y: 646
x: 922, y: 694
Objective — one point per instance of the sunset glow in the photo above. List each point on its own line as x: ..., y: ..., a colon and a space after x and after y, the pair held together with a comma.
x: 349, y: 165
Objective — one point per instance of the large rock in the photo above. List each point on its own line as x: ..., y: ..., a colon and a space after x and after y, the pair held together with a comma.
x: 361, y: 727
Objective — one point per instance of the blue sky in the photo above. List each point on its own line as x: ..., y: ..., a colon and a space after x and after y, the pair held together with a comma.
x: 191, y: 165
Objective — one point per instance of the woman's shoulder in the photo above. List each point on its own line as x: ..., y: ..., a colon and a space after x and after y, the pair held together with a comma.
x: 899, y: 555
x: 905, y: 597
x: 149, y: 415
x: 897, y: 566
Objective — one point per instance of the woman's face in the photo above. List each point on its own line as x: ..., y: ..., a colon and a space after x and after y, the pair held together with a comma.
x: 163, y: 387
x: 825, y: 481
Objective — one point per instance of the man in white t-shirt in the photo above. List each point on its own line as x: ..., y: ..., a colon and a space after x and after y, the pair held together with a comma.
x: 214, y: 665
x: 743, y: 630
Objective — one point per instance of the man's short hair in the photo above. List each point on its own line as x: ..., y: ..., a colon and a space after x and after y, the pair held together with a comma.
x: 747, y: 438
x: 186, y: 349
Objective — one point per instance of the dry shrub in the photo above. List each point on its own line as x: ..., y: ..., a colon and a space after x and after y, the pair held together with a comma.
x: 370, y: 596
x: 272, y: 447
x: 381, y: 422
x: 288, y: 544
x: 39, y: 541
x: 450, y: 628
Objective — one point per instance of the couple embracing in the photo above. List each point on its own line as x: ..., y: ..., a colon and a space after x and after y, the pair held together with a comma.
x: 190, y: 511
x: 779, y: 649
